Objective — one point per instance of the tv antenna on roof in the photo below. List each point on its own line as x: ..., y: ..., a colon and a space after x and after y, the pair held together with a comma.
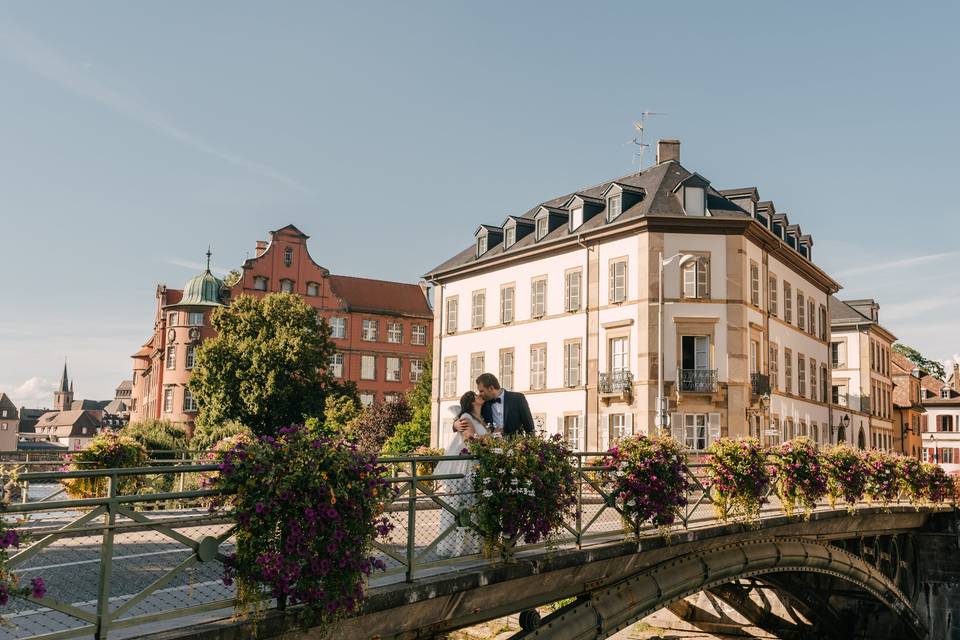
x: 640, y: 126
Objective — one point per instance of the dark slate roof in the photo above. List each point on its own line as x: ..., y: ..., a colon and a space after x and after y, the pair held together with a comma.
x: 842, y: 313
x: 380, y: 296
x: 95, y: 405
x: 7, y: 403
x: 40, y: 445
x: 658, y: 182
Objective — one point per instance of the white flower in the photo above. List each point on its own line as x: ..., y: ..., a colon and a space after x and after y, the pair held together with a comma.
x: 497, y: 450
x: 486, y: 481
x: 487, y: 493
x: 514, y: 482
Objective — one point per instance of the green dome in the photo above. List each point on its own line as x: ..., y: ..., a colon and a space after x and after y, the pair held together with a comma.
x: 203, y: 290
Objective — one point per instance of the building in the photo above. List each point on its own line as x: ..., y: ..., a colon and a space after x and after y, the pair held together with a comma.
x: 862, y: 393
x: 909, y: 415
x: 116, y: 413
x: 941, y: 429
x: 380, y: 328
x: 71, y: 423
x: 9, y: 424
x: 561, y: 302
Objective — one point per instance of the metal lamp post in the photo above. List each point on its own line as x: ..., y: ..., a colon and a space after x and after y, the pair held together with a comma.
x: 661, y: 419
x: 844, y: 423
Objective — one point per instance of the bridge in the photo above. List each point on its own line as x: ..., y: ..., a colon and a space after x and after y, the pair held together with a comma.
x: 150, y: 565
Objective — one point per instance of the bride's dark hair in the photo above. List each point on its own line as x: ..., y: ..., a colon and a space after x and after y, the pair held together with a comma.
x: 466, y: 402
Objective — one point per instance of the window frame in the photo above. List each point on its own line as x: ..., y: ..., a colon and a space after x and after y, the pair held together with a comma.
x: 395, y: 374
x: 478, y: 309
x: 617, y: 293
x: 366, y: 324
x: 504, y: 289
x: 572, y: 363
x: 535, y: 283
x: 700, y: 266
x: 452, y: 308
x: 538, y: 367
x: 569, y: 276
x: 364, y: 359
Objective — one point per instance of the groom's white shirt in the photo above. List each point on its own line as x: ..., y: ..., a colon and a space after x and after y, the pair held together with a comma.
x: 497, y: 410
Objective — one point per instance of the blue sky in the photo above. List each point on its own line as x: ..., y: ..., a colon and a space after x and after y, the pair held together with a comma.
x: 132, y: 135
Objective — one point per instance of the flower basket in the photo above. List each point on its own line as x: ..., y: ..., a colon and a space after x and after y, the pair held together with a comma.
x: 846, y: 472
x: 883, y: 479
x: 647, y: 474
x: 913, y: 480
x: 308, y: 509
x: 108, y: 450
x: 526, y: 487
x: 798, y: 478
x: 940, y: 488
x: 738, y: 479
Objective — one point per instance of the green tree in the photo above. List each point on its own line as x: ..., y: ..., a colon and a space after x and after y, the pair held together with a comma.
x: 158, y: 435
x: 267, y: 365
x: 232, y: 278
x: 206, y: 437
x: 340, y: 413
x: 932, y: 367
x: 415, y: 432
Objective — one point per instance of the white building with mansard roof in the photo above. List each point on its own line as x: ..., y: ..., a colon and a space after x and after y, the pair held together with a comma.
x: 561, y: 303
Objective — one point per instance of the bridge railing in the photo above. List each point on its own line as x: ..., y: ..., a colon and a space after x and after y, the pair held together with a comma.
x: 119, y: 560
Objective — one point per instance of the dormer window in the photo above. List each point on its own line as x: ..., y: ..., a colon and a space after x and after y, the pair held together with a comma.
x: 542, y: 227
x: 288, y: 256
x: 614, y: 207
x: 509, y: 237
x: 481, y: 245
x: 694, y: 201
x: 576, y: 217
x: 945, y: 393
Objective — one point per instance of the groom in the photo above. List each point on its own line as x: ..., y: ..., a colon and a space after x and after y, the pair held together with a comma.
x: 506, y: 410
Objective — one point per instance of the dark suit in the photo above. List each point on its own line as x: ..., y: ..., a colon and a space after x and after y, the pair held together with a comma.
x: 516, y: 413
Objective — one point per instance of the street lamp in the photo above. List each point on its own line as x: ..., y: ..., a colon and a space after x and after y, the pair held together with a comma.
x: 842, y: 428
x: 661, y: 420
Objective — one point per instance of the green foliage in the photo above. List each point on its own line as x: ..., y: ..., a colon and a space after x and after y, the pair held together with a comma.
x: 208, y: 436
x: 846, y: 474
x: 158, y: 435
x: 107, y: 450
x: 267, y: 365
x: 932, y: 367
x: 421, y: 394
x: 232, y: 278
x: 378, y: 423
x: 414, y: 433
x: 340, y: 413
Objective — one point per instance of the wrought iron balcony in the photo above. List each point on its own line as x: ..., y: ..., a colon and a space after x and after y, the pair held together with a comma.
x: 617, y: 382
x: 698, y: 380
x: 760, y: 383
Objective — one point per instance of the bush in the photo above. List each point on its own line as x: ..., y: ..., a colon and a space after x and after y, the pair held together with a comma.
x: 737, y: 478
x: 164, y: 441
x: 307, y: 512
x: 883, y: 480
x: 913, y: 480
x: 846, y: 473
x: 340, y: 413
x: 407, y: 437
x: 208, y: 437
x: 108, y: 450
x: 940, y: 487
x: 798, y: 477
x: 648, y: 479
x: 378, y: 422
x: 526, y: 487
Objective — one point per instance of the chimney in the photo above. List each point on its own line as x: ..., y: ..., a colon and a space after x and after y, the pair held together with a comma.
x: 956, y: 376
x: 668, y: 150
x: 261, y: 247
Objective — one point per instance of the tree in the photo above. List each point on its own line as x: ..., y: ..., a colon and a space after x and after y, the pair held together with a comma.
x: 932, y: 367
x: 340, y: 413
x: 232, y: 278
x: 206, y: 437
x: 266, y: 367
x: 378, y: 422
x: 158, y: 435
x: 415, y: 432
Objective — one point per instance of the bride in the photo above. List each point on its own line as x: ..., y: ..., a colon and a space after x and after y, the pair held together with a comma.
x: 462, y: 541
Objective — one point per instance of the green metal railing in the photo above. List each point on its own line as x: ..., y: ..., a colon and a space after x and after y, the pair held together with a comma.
x: 115, y: 561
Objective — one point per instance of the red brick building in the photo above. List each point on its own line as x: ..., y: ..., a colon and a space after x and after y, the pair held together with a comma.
x: 380, y: 328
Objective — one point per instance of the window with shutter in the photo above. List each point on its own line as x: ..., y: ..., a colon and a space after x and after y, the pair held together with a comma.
x: 754, y: 284
x: 571, y: 297
x: 676, y: 426
x: 714, y: 427
x: 618, y: 281
x: 506, y: 305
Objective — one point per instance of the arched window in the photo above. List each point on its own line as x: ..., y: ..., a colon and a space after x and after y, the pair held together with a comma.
x: 861, y: 439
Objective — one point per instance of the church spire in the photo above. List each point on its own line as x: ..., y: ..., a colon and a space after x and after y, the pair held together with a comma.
x: 64, y: 384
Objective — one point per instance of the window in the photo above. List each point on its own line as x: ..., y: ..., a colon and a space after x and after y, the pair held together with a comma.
x: 576, y: 217
x: 336, y: 365
x: 366, y: 398
x: 571, y: 431
x: 618, y: 355
x: 800, y: 311
x: 801, y: 375
x: 452, y: 310
x: 195, y: 318
x: 338, y: 327
x: 394, y: 332
x: 418, y: 334
x: 823, y: 323
x: 416, y: 369
x: 813, y: 379
x: 538, y: 366
x: 945, y: 423
x: 481, y: 245
x: 787, y: 303
x: 695, y: 352
x: 946, y: 455
x: 189, y: 404
x: 191, y: 356
x: 836, y: 357
x: 619, y: 427
x: 618, y: 281
x: 3, y: 427
x: 368, y: 367
x: 614, y: 207
x: 506, y: 368
x: 171, y: 357
x: 506, y: 304
x: 774, y: 365
x: 509, y: 237
x: 286, y: 285
x: 542, y: 227
x: 172, y: 319
x: 754, y: 356
x: 571, y: 364
x: 479, y: 309
x: 370, y: 330
x: 288, y: 256
x: 824, y: 383
x: 477, y: 365
x: 696, y: 277
x: 838, y: 395
x: 449, y: 377
x: 391, y: 397
x: 393, y: 369
x: 755, y: 284
x: 168, y: 400
x: 695, y: 431
x: 772, y: 303
x: 571, y: 291
x: 259, y: 283
x: 812, y: 317
x: 313, y: 289
x: 788, y: 370
x: 945, y: 393
x: 538, y: 298
x: 694, y: 201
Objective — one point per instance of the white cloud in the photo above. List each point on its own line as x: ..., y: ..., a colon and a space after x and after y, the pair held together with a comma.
x: 895, y: 264
x: 47, y: 62
x: 196, y: 266
x: 36, y: 392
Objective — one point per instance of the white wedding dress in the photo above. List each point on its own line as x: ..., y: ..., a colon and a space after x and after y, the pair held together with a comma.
x: 462, y: 541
